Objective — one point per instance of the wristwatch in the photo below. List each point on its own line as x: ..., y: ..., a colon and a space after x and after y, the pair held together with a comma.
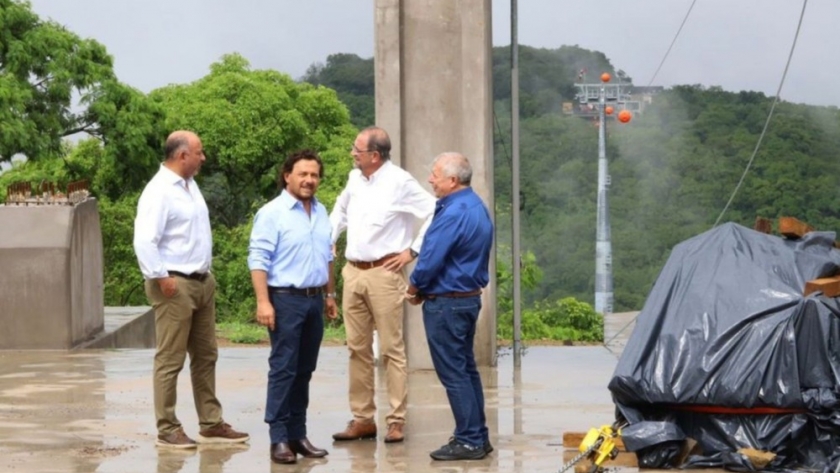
x: 331, y: 295
x: 413, y: 253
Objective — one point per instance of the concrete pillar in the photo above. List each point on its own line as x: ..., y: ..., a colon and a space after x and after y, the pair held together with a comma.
x: 51, y: 286
x: 433, y: 63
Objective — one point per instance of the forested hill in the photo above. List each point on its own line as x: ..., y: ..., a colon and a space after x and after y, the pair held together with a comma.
x: 673, y: 167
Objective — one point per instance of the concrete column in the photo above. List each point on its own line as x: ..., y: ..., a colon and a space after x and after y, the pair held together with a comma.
x: 433, y: 62
x: 51, y: 282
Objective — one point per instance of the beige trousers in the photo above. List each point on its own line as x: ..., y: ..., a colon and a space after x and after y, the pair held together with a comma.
x: 373, y: 298
x: 185, y: 323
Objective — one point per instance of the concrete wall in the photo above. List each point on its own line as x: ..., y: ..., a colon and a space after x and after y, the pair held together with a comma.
x: 51, y: 287
x: 433, y: 62
x: 125, y: 327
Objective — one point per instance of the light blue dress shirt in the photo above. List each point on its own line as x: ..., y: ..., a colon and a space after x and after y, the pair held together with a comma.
x: 293, y: 248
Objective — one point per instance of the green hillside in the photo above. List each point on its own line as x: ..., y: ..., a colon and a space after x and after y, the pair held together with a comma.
x: 672, y: 168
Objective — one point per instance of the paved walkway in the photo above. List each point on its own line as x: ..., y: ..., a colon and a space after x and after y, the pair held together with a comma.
x: 91, y: 412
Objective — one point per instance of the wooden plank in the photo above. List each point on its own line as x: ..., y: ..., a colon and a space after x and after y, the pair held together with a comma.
x: 830, y: 287
x: 792, y: 228
x: 624, y: 459
x: 763, y: 225
x: 758, y: 458
x: 572, y: 440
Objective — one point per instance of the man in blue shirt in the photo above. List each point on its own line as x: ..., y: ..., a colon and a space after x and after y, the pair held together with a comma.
x: 291, y: 263
x: 452, y: 267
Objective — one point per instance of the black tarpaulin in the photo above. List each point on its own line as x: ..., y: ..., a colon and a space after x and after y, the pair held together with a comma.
x: 726, y: 326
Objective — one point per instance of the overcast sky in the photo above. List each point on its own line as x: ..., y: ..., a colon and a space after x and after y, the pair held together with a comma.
x: 736, y: 44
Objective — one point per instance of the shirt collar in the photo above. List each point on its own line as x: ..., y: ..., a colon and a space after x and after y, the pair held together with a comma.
x: 290, y: 201
x: 379, y: 172
x: 171, y: 176
x: 444, y: 201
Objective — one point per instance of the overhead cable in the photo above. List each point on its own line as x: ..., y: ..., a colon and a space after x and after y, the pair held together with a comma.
x: 673, y: 41
x: 769, y: 115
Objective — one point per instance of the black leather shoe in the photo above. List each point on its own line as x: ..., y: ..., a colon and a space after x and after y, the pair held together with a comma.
x: 281, y: 453
x: 305, y: 448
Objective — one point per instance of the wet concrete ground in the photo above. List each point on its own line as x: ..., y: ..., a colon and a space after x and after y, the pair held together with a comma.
x: 91, y: 411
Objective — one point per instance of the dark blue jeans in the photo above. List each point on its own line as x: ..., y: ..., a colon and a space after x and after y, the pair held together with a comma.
x: 450, y: 331
x: 295, y: 342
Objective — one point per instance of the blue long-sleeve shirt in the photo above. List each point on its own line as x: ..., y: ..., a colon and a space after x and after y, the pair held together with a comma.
x: 455, y: 255
x: 294, y: 248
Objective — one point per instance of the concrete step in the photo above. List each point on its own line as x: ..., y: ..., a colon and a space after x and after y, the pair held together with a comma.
x: 125, y: 327
x: 617, y: 330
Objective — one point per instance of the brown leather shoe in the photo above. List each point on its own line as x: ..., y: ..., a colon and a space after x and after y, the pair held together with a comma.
x: 305, y: 448
x: 281, y: 453
x: 222, y: 433
x: 357, y: 430
x: 395, y: 433
x: 176, y: 439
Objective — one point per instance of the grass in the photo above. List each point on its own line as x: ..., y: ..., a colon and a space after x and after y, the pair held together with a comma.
x: 240, y: 332
x: 247, y: 333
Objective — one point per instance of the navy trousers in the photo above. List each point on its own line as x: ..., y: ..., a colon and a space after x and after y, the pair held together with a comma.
x: 450, y: 331
x: 295, y: 342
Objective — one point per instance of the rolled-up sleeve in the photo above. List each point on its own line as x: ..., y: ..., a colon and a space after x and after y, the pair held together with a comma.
x: 263, y: 242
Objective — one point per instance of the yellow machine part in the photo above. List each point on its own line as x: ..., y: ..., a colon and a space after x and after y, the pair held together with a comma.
x: 589, y: 440
x: 604, y: 441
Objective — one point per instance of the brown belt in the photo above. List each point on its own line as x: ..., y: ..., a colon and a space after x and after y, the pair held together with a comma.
x: 456, y: 295
x: 371, y: 264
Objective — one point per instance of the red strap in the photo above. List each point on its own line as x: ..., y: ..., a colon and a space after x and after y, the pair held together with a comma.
x: 736, y: 410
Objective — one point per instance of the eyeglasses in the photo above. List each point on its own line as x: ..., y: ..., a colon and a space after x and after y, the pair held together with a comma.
x: 360, y: 151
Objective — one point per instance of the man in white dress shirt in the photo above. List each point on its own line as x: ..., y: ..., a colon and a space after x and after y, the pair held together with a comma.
x: 174, y: 247
x: 379, y: 207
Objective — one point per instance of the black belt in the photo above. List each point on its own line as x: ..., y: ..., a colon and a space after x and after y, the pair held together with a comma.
x: 306, y: 292
x: 200, y: 277
x: 456, y: 295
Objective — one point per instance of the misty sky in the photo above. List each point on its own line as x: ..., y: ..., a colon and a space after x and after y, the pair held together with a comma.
x: 736, y: 44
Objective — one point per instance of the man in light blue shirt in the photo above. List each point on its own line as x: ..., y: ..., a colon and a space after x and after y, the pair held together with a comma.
x: 291, y: 263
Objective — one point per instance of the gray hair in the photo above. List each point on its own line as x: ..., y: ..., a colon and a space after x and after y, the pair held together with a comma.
x: 176, y: 142
x: 454, y: 164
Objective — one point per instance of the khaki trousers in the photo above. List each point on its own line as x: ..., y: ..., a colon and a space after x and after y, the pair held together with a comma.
x: 373, y: 298
x: 185, y: 323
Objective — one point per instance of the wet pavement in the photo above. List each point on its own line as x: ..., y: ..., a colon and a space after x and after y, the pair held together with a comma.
x: 91, y: 411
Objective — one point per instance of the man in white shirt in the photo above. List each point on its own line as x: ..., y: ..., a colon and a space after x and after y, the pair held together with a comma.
x: 174, y: 247
x: 379, y: 207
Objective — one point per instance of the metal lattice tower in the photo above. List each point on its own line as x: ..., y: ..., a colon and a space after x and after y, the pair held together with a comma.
x: 603, y: 241
x: 597, y: 98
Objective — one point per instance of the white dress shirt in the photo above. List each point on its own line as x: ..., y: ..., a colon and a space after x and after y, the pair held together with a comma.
x: 379, y: 213
x: 172, y: 228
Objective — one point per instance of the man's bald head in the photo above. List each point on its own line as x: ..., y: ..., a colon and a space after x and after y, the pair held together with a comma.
x: 176, y: 142
x: 184, y: 153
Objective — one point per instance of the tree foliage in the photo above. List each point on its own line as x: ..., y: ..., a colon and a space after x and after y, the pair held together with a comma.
x: 352, y: 78
x: 249, y: 121
x: 42, y: 65
x: 54, y: 85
